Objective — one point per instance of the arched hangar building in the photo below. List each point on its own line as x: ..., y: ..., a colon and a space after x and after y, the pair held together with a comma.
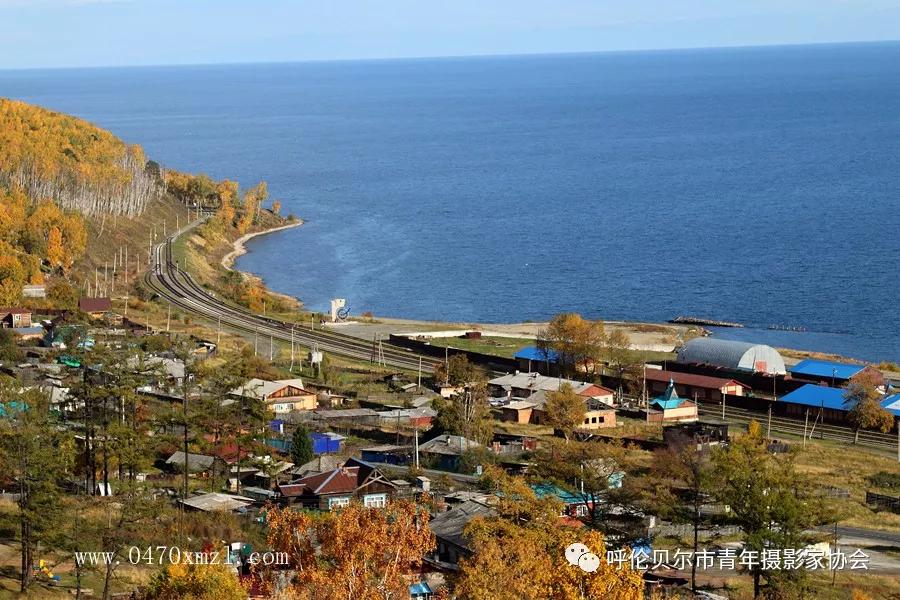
x: 727, y: 354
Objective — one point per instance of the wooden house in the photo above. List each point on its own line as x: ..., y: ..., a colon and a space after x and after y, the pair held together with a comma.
x: 354, y: 481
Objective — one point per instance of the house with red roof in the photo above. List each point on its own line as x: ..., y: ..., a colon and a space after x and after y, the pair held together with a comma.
x: 692, y: 385
x: 95, y: 307
x: 354, y: 481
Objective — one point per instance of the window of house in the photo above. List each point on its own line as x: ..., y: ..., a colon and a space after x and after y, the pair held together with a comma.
x: 375, y: 500
x: 338, y: 502
x: 581, y: 510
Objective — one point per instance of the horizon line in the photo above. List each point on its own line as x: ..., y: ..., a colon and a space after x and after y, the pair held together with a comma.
x: 456, y: 56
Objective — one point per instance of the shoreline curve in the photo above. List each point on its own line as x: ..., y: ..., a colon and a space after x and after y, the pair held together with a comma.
x: 239, y: 246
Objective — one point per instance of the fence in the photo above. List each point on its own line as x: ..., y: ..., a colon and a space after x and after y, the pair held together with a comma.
x: 883, y: 502
x: 687, y: 530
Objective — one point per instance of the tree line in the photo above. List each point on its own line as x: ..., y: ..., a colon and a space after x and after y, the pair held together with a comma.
x: 84, y: 168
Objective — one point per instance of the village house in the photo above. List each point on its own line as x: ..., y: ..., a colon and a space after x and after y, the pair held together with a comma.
x: 197, y: 464
x: 599, y: 415
x: 161, y: 372
x: 355, y: 480
x: 95, y: 307
x: 827, y: 403
x: 328, y: 399
x: 598, y: 400
x: 689, y: 385
x: 15, y: 318
x: 280, y: 396
x: 669, y: 407
x: 449, y: 531
x: 388, y: 453
x: 517, y: 411
x: 420, y: 418
x: 522, y: 386
x: 835, y: 374
x: 532, y: 359
x: 574, y: 505
x: 445, y: 451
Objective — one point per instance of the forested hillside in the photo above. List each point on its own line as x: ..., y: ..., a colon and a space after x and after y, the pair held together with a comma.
x: 80, y: 209
x: 82, y: 167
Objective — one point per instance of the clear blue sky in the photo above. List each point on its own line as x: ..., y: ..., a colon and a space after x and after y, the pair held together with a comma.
x: 56, y: 33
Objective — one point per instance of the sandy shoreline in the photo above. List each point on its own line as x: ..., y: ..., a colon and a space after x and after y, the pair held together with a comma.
x: 664, y: 335
x: 644, y: 335
x: 240, y: 248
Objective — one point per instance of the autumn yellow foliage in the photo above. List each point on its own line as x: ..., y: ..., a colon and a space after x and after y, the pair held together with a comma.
x: 196, y: 582
x: 520, y: 553
x: 357, y: 552
x: 84, y: 168
x: 32, y: 235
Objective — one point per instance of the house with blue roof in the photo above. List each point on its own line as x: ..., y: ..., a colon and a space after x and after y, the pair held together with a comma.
x: 420, y: 591
x: 533, y: 359
x: 829, y: 402
x: 829, y: 372
x: 574, y: 505
x: 670, y: 407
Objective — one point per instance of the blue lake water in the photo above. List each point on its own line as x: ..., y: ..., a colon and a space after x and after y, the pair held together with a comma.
x: 753, y: 185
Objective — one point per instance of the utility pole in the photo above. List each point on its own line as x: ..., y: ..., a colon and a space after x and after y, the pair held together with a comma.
x: 185, y: 415
x: 256, y: 342
x: 723, y: 407
x: 126, y: 306
x: 769, y: 425
x: 271, y: 347
x: 416, y: 446
x: 168, y: 316
x: 419, y: 383
x: 292, y: 349
x: 218, y: 330
x: 644, y: 385
x: 805, y: 424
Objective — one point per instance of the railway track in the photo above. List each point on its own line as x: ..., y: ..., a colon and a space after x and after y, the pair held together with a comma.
x: 177, y: 287
x: 796, y: 427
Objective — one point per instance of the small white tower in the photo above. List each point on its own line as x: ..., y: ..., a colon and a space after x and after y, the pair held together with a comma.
x: 336, y: 305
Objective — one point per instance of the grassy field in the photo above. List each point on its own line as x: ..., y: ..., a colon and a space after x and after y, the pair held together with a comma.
x: 841, y: 466
x: 108, y: 234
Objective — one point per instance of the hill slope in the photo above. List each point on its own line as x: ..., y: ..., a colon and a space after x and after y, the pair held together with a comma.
x: 82, y: 167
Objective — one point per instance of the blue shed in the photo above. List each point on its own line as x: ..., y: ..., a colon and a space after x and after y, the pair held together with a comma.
x: 326, y: 443
x: 532, y: 359
x: 536, y: 354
